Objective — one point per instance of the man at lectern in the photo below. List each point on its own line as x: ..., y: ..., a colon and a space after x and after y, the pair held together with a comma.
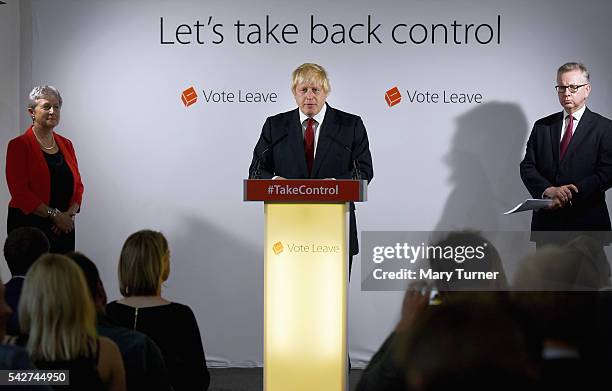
x: 569, y: 160
x: 314, y: 140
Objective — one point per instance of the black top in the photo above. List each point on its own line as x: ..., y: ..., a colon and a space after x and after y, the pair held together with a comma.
x: 144, y: 364
x: 174, y: 329
x: 62, y: 181
x: 83, y: 372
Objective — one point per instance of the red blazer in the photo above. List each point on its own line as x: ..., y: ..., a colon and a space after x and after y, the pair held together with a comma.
x: 27, y: 173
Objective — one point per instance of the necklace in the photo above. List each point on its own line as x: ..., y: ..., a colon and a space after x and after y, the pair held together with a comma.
x: 41, y: 143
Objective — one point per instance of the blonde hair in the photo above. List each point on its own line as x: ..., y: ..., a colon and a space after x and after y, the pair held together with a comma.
x: 57, y: 311
x: 310, y: 73
x: 142, y: 266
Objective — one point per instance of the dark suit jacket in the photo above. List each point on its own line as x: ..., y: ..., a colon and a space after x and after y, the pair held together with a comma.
x: 586, y: 164
x: 332, y: 159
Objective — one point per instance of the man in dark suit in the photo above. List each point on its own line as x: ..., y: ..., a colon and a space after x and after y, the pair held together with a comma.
x: 314, y: 140
x: 569, y: 160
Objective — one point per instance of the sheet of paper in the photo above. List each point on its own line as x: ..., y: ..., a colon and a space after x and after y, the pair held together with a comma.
x: 530, y: 204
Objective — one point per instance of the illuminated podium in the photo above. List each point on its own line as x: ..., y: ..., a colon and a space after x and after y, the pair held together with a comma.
x: 305, y: 281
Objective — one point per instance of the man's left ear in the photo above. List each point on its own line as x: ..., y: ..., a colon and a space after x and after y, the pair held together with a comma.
x: 588, y: 90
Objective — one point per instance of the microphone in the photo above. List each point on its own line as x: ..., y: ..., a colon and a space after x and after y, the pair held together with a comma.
x: 356, y: 171
x: 256, y: 172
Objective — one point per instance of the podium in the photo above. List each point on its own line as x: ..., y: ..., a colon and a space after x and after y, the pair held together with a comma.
x: 305, y: 280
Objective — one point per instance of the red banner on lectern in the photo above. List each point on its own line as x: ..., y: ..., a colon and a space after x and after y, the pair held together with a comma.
x: 305, y: 190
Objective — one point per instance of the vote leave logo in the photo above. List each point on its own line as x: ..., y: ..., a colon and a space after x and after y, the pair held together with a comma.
x: 223, y: 96
x: 393, y: 97
x: 189, y: 96
x: 278, y: 248
x: 426, y: 96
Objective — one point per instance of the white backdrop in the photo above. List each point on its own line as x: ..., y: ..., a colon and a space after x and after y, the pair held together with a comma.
x: 149, y: 162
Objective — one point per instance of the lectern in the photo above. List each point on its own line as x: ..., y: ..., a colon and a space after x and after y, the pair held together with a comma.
x: 305, y: 281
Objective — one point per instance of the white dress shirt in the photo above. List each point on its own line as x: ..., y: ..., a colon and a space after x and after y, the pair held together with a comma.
x: 577, y: 116
x: 318, y: 121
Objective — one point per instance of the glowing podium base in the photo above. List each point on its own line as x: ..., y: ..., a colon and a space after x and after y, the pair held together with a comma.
x: 305, y: 281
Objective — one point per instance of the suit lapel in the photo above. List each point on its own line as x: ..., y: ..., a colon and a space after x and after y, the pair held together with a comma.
x: 330, y: 127
x: 555, y: 137
x: 296, y: 141
x: 580, y: 133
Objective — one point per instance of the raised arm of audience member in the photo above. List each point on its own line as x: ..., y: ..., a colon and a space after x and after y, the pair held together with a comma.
x: 384, y: 372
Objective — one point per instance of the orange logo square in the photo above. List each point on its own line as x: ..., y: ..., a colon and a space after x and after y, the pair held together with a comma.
x: 277, y: 248
x: 393, y: 97
x: 189, y: 97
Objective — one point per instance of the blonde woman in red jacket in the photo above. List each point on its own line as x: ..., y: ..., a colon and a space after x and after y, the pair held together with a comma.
x: 43, y: 175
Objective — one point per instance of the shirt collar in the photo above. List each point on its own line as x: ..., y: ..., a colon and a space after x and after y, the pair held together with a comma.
x: 577, y: 115
x: 319, y: 117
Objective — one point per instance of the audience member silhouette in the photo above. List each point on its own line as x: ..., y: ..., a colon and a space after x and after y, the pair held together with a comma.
x: 468, y: 342
x: 22, y: 247
x: 473, y: 253
x: 556, y: 292
x: 384, y: 371
x: 144, y: 365
x: 56, y: 312
x: 144, y: 264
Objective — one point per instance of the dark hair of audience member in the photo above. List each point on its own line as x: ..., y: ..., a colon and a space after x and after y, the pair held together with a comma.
x: 22, y: 247
x: 490, y: 262
x: 467, y: 342
x: 92, y: 276
x: 556, y: 290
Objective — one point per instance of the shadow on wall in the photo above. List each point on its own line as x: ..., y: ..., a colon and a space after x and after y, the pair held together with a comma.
x: 221, y: 279
x: 486, y: 150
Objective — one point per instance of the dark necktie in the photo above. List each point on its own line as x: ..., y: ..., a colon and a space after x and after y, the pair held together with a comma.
x: 309, y: 144
x: 567, y: 137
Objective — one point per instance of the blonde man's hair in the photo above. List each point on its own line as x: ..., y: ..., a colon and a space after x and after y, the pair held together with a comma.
x: 309, y: 73
x: 56, y: 311
x: 142, y: 267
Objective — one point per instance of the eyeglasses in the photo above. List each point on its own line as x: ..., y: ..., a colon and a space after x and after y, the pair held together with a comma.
x: 572, y: 87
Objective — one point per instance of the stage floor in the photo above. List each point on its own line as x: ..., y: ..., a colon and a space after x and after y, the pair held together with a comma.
x: 251, y: 379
